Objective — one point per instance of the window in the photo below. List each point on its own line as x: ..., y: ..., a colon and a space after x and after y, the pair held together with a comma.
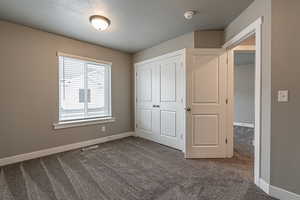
x: 84, y: 89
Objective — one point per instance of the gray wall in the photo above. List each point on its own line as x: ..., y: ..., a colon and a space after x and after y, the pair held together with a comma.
x: 257, y: 9
x: 29, y: 90
x: 244, y: 76
x: 285, y: 140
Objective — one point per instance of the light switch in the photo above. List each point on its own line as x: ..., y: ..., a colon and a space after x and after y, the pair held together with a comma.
x: 283, y: 96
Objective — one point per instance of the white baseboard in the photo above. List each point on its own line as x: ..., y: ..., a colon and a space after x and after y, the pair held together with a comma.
x: 282, y: 194
x: 248, y: 125
x: 264, y: 186
x: 59, y: 149
x: 277, y: 192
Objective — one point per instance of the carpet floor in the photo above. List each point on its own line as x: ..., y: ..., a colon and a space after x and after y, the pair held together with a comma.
x: 129, y: 169
x: 243, y: 141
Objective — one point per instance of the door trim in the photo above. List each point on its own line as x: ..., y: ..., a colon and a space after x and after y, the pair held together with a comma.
x: 162, y: 57
x: 252, y: 29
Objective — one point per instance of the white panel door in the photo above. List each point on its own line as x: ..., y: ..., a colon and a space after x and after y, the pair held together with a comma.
x: 159, y: 105
x: 206, y: 103
x: 171, y: 102
x: 145, y: 99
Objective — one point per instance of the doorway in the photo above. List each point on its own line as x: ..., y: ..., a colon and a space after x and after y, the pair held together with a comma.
x: 254, y: 29
x: 244, y: 102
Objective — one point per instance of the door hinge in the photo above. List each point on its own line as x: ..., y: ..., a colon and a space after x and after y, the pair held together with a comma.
x: 226, y: 101
x: 226, y: 141
x: 136, y: 125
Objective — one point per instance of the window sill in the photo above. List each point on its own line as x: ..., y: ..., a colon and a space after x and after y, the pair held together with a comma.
x: 84, y: 122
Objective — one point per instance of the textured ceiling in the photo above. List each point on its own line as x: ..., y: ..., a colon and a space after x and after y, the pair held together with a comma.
x: 136, y: 24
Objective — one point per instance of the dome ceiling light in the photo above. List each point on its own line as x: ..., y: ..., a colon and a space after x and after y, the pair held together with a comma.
x: 99, y: 22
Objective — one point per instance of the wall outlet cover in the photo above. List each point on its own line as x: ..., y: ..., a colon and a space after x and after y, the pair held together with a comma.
x: 283, y: 96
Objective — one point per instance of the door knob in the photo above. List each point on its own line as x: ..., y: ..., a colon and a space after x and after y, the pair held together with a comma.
x: 188, y: 109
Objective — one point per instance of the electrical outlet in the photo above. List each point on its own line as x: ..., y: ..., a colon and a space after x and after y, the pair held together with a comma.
x: 283, y: 96
x: 103, y: 128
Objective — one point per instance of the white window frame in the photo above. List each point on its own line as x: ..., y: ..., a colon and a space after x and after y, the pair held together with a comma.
x: 87, y: 120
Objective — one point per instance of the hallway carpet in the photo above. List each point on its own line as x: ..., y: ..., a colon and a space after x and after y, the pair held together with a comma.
x: 243, y: 141
x: 128, y: 169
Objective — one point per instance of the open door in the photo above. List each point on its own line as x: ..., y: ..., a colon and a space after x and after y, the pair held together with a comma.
x: 206, y: 93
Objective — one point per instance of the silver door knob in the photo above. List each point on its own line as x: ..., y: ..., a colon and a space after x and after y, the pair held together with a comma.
x: 188, y: 109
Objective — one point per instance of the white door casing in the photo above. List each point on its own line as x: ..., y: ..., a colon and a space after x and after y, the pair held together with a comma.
x: 254, y: 28
x: 206, y: 93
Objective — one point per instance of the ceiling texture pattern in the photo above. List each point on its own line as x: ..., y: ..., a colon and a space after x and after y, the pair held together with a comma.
x: 136, y: 24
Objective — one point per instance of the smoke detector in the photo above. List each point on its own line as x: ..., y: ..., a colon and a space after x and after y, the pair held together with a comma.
x: 189, y: 14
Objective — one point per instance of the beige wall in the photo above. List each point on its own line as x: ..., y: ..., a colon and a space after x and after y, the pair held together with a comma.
x: 209, y: 39
x: 196, y: 39
x: 260, y: 8
x: 285, y: 138
x: 29, y: 90
x: 181, y: 42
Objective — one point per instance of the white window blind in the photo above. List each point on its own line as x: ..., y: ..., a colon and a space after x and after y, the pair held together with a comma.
x: 84, y: 89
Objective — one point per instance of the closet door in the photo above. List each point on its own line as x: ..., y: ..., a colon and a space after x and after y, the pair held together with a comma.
x: 171, y: 102
x: 146, y: 89
x: 159, y: 101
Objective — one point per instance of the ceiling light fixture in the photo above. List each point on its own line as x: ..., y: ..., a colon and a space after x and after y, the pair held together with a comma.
x: 99, y: 22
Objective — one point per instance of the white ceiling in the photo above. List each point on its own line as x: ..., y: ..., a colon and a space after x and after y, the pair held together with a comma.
x: 136, y: 24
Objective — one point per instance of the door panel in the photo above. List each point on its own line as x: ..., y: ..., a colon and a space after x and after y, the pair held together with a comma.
x: 168, y: 123
x: 206, y: 98
x: 145, y: 119
x: 205, y: 79
x: 144, y: 84
x: 205, y: 130
x: 168, y: 82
